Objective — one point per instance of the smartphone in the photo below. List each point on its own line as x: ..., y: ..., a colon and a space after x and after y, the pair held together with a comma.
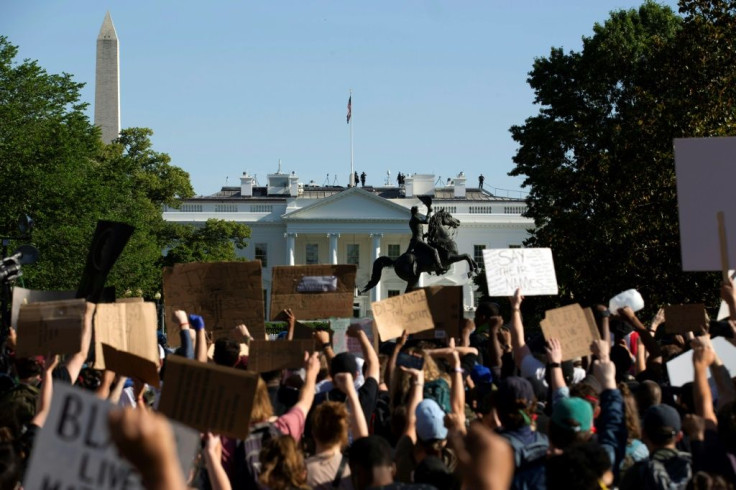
x: 409, y: 361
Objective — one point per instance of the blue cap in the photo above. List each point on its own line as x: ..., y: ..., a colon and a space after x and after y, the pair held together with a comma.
x: 430, y: 421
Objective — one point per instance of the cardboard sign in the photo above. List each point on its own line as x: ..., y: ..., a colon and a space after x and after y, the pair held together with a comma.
x: 53, y: 327
x: 225, y: 294
x: 575, y: 328
x: 302, y: 332
x: 127, y: 328
x: 705, y: 171
x: 267, y: 355
x: 107, y: 244
x: 208, y: 397
x: 23, y: 296
x: 74, y: 449
x: 680, y: 368
x: 408, y: 312
x: 530, y: 269
x: 308, y: 290
x: 446, y: 306
x: 684, y: 318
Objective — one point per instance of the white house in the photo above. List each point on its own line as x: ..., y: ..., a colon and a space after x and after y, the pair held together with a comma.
x: 292, y: 223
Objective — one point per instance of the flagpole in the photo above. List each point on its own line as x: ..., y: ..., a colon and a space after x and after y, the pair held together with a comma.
x: 352, y: 166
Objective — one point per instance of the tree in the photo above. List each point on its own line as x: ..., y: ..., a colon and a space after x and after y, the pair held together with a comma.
x: 216, y: 241
x: 598, y: 157
x: 55, y: 168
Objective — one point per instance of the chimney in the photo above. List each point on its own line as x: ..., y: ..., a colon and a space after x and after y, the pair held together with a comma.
x: 293, y: 185
x: 246, y: 185
x: 459, y: 188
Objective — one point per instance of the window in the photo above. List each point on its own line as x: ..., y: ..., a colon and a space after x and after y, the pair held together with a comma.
x: 514, y: 209
x: 191, y: 208
x: 261, y: 208
x: 393, y: 292
x: 262, y: 253
x: 478, y: 254
x: 450, y: 209
x: 353, y: 254
x: 479, y: 210
x: 226, y: 208
x: 394, y: 251
x: 312, y: 254
x: 514, y: 246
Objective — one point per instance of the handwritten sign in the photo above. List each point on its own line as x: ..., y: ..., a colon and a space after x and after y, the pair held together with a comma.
x: 575, y: 328
x: 313, y: 292
x: 129, y: 332
x: 267, y: 355
x: 74, y: 449
x: 53, y: 327
x: 446, y: 306
x: 225, y: 294
x: 23, y: 296
x: 208, y: 397
x: 705, y: 170
x: 530, y: 269
x: 408, y: 312
x: 684, y: 318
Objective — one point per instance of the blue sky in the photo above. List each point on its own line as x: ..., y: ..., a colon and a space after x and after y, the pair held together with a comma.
x: 233, y: 86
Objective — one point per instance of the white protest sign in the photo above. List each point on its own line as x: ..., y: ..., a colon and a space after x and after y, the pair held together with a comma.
x: 706, y: 169
x: 74, y: 449
x: 530, y: 269
x: 723, y: 312
x: 680, y: 369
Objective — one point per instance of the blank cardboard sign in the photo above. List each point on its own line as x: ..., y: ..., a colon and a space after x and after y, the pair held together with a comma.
x: 225, y: 294
x: 680, y: 368
x: 574, y: 327
x: 683, y: 318
x: 208, y: 397
x: 52, y: 327
x: 270, y: 355
x: 23, y: 296
x: 706, y: 169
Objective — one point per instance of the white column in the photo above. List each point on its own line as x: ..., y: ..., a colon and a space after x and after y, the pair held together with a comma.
x: 290, y: 241
x: 375, y: 253
x: 333, y: 247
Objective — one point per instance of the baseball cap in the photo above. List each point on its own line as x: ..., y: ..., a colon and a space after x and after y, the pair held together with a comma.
x: 344, y: 362
x: 573, y: 414
x: 511, y: 389
x: 661, y: 423
x: 430, y: 421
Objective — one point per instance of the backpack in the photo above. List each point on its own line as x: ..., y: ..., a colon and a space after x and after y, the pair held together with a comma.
x: 529, y: 462
x: 439, y: 391
x: 19, y: 404
x: 667, y: 469
x: 248, y: 451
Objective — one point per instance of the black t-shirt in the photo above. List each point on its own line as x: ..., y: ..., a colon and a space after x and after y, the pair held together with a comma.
x: 367, y: 394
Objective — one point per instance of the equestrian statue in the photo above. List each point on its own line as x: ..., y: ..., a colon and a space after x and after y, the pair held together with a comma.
x: 435, y: 255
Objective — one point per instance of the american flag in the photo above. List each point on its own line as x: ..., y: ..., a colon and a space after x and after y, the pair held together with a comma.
x: 350, y: 108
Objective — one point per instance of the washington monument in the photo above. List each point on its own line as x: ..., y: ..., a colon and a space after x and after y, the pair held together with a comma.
x: 107, y: 81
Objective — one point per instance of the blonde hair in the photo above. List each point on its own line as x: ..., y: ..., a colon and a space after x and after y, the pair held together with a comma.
x: 282, y: 464
x: 262, y: 408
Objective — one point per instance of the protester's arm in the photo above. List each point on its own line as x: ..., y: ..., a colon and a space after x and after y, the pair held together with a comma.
x: 372, y: 366
x: 645, y: 335
x: 703, y: 357
x: 611, y: 424
x: 554, y: 357
x: 728, y: 294
x: 322, y: 339
x: 641, y: 356
x: 306, y: 395
x: 468, y: 328
x: 43, y: 402
x: 416, y: 395
x: 457, y: 388
x: 185, y: 338
x: 521, y: 350
x: 146, y: 439
x: 74, y: 363
x: 391, y: 365
x: 485, y: 459
x: 117, y: 390
x: 103, y: 391
x: 213, y: 461
x: 200, y: 346
x: 291, y: 323
x: 495, y: 352
x: 358, y: 424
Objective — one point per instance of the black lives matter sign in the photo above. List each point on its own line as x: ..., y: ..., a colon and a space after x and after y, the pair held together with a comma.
x: 73, y: 451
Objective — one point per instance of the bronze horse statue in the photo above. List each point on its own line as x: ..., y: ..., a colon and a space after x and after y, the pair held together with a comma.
x: 412, y: 263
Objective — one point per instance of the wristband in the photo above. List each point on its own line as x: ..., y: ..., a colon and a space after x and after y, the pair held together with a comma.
x: 325, y: 345
x: 459, y: 370
x: 554, y: 365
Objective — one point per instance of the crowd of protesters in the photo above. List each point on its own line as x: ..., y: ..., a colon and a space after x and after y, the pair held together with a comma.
x: 486, y: 410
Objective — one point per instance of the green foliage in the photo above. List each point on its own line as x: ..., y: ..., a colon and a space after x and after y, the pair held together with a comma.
x: 598, y: 156
x: 216, y: 241
x: 54, y: 168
